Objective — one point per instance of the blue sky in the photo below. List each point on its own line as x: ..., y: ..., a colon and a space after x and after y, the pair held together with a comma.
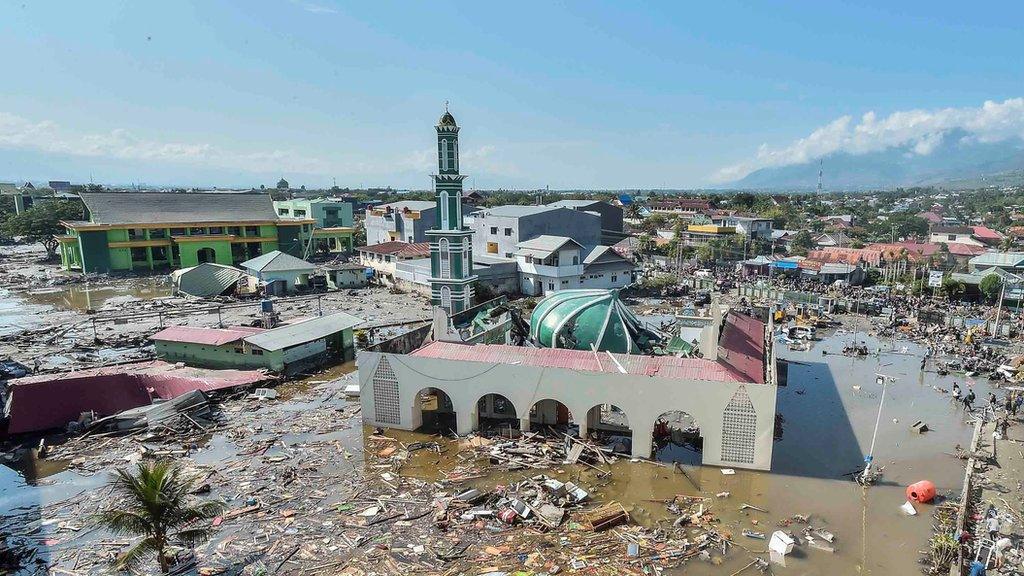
x: 570, y: 95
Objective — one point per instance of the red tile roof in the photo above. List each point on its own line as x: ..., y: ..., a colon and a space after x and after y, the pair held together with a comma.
x: 396, y: 248
x: 985, y: 233
x: 846, y: 255
x: 662, y: 366
x: 916, y: 251
x: 209, y: 336
x: 961, y: 249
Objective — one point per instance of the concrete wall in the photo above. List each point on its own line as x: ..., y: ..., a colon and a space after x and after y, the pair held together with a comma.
x: 582, y: 227
x: 407, y: 229
x: 209, y: 356
x: 398, y: 379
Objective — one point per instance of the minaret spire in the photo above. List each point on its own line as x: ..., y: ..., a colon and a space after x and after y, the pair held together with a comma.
x: 451, y: 243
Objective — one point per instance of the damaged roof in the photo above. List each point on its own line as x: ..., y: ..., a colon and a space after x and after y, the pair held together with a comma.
x: 585, y: 360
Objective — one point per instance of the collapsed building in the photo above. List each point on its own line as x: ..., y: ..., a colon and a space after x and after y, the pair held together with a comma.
x: 583, y: 356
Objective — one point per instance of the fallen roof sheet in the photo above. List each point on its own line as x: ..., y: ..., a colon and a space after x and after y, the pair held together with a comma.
x: 207, y: 279
x: 583, y: 360
x: 50, y: 401
x: 303, y: 331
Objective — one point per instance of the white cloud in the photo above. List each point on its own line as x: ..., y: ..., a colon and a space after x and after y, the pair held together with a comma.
x: 46, y: 136
x: 919, y: 130
x: 314, y: 8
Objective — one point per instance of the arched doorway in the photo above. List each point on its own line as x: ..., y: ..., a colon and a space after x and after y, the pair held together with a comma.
x: 609, y: 426
x: 497, y: 413
x: 434, y: 411
x: 550, y: 415
x: 677, y: 438
x: 205, y: 255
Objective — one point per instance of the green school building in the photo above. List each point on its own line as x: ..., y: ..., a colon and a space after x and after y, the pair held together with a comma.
x: 150, y: 231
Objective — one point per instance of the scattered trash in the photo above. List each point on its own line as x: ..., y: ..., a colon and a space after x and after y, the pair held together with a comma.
x: 908, y: 508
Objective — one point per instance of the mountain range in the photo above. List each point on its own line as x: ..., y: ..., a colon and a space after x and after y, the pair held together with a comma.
x: 958, y: 161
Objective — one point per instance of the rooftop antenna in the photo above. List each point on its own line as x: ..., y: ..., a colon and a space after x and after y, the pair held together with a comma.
x: 821, y: 162
x: 446, y: 106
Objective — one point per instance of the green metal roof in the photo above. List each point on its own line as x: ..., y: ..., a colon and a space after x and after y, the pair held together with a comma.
x: 577, y: 319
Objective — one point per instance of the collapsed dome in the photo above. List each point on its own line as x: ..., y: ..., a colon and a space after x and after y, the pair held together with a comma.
x: 577, y: 319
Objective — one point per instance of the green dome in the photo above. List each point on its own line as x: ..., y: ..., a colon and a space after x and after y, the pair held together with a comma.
x: 575, y: 319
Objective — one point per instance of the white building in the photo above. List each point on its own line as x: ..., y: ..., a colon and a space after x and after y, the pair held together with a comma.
x: 280, y: 273
x: 755, y: 228
x: 551, y: 263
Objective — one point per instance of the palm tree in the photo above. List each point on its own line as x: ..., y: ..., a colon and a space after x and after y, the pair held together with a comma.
x: 155, y: 503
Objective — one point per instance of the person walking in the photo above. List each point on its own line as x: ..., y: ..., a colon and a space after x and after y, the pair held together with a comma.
x: 969, y: 401
x: 956, y: 392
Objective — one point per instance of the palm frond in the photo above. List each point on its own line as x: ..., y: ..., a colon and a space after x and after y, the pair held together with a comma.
x: 126, y: 522
x: 133, y: 557
x: 193, y: 536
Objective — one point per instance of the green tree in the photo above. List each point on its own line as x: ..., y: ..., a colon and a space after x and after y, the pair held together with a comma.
x: 952, y: 288
x: 155, y: 502
x: 990, y: 287
x: 802, y: 242
x: 42, y: 222
x: 653, y: 222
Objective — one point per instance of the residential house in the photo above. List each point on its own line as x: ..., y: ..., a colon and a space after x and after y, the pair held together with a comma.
x: 684, y: 207
x: 349, y: 275
x: 405, y: 221
x: 956, y: 235
x: 333, y: 221
x: 832, y: 240
x: 280, y: 273
x: 750, y: 226
x: 131, y: 231
x: 498, y: 231
x: 383, y: 258
x: 933, y: 218
x: 289, y: 348
x: 551, y: 263
x: 857, y: 256
x: 1012, y: 262
x: 962, y: 253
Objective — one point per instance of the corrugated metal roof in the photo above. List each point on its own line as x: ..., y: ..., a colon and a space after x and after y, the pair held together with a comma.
x: 207, y: 279
x: 277, y: 261
x: 209, y: 336
x: 546, y: 243
x: 155, y: 208
x: 304, y: 331
x: 661, y: 366
x: 742, y: 346
x: 998, y: 259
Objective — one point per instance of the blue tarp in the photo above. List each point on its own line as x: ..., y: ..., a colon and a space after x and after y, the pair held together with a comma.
x: 784, y: 265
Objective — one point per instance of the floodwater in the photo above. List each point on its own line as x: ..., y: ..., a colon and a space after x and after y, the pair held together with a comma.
x: 25, y: 310
x: 84, y: 297
x: 826, y: 434
x: 827, y: 431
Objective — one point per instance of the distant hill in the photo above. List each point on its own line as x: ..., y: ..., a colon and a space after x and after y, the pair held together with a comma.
x: 955, y: 162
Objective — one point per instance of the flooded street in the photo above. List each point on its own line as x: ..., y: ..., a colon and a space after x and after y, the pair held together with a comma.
x: 827, y: 429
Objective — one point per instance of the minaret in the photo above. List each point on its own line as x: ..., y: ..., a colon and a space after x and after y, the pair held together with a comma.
x: 451, y: 243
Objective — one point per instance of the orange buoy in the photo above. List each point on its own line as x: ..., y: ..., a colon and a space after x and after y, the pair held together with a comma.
x: 923, y: 491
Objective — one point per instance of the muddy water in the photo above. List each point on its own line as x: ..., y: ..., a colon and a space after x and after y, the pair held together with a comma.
x: 83, y: 297
x: 25, y: 310
x: 827, y: 432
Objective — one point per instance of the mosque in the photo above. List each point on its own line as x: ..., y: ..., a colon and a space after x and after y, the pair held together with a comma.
x: 584, y: 363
